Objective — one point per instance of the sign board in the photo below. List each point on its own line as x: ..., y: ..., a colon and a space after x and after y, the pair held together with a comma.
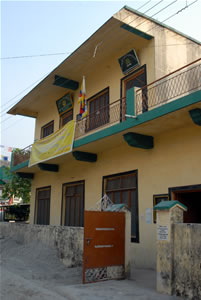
x: 162, y: 233
x: 64, y: 103
x: 129, y: 61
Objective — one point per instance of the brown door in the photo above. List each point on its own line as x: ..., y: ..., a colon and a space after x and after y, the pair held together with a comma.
x: 137, y: 79
x: 104, y: 246
x: 43, y: 206
x: 73, y: 204
x: 99, y: 110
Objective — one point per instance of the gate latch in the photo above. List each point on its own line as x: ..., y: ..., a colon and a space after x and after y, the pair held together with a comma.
x: 88, y: 241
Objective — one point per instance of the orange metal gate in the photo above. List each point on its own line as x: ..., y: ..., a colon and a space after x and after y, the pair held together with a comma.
x: 104, y: 246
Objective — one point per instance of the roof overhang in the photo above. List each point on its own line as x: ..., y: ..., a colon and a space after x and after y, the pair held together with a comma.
x: 95, y: 50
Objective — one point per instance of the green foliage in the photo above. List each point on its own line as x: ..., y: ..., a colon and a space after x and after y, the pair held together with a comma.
x: 21, y: 151
x: 17, y: 212
x: 17, y: 187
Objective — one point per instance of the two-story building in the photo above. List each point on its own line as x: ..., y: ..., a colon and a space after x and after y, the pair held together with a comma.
x: 140, y: 141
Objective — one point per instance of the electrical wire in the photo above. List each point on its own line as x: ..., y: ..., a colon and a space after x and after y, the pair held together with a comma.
x: 128, y: 24
x: 180, y: 10
x: 37, y: 55
x: 5, y: 119
x: 13, y: 124
x: 135, y: 26
x: 153, y: 15
x: 22, y: 92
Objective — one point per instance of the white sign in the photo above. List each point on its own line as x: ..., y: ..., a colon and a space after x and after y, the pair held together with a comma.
x: 162, y: 233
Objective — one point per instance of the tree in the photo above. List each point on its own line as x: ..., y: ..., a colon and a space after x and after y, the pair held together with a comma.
x: 17, y: 187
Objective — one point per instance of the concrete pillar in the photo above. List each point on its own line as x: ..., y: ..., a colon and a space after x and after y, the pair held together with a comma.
x: 168, y: 213
x: 127, y: 242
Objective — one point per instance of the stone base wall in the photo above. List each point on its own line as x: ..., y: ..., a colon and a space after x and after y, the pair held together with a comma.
x: 67, y: 240
x: 187, y: 261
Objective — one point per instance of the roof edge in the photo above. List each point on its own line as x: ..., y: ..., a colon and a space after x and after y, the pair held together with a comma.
x: 10, y: 111
x: 161, y: 24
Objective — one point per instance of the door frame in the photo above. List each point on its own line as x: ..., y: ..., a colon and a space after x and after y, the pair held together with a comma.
x: 137, y: 239
x: 36, y: 204
x: 185, y: 188
x: 102, y: 238
x: 62, y: 217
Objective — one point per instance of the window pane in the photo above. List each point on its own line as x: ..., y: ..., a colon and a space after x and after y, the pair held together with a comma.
x: 81, y: 212
x: 128, y: 181
x: 74, y: 208
x: 43, y: 207
x: 79, y: 189
x: 134, y: 214
x: 125, y: 195
x: 98, y: 115
x: 77, y: 211
x: 126, y: 192
x: 70, y: 190
x: 110, y: 195
x: 44, y: 194
x: 65, y: 118
x: 67, y: 212
x: 72, y: 212
x: 47, y: 129
x: 113, y: 184
x: 117, y: 197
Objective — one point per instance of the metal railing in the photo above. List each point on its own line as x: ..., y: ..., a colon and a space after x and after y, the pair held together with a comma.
x: 21, y: 155
x: 169, y: 87
x: 105, y: 116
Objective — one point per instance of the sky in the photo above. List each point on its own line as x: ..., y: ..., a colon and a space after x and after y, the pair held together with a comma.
x: 30, y: 28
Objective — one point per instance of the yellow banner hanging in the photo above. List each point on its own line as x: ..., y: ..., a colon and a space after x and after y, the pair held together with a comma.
x: 58, y: 143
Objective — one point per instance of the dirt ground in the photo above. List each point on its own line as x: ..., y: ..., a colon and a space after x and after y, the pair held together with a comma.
x: 34, y: 272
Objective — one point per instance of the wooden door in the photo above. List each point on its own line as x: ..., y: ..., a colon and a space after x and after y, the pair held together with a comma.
x: 43, y: 206
x: 104, y: 246
x: 99, y: 110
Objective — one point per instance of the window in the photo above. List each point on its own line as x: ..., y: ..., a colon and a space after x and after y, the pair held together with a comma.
x: 47, y: 129
x: 66, y: 117
x: 73, y: 204
x: 42, y: 206
x: 122, y: 188
x: 98, y: 110
x: 136, y: 79
x: 157, y: 199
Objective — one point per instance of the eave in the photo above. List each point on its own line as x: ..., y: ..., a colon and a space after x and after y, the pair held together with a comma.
x: 80, y: 62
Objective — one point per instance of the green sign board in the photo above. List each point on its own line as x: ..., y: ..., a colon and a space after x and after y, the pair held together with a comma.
x: 64, y: 103
x: 129, y: 61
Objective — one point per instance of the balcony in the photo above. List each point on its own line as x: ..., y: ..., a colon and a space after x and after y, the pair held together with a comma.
x: 21, y: 156
x: 109, y: 115
x: 169, y: 88
x: 171, y: 95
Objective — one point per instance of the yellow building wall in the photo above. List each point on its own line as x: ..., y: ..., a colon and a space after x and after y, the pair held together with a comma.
x: 100, y: 76
x: 172, y: 50
x: 174, y: 161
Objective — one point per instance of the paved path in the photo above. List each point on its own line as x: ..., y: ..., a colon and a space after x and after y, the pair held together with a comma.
x: 33, y: 272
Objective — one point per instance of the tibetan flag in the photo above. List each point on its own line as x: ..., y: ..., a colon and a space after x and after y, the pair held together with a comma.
x: 82, y: 100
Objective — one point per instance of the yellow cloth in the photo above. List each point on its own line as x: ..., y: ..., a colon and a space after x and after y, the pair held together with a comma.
x: 56, y: 144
